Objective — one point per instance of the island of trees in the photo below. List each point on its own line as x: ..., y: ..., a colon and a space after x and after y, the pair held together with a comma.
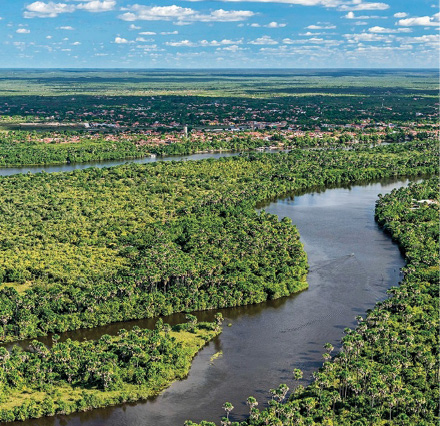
x: 78, y: 376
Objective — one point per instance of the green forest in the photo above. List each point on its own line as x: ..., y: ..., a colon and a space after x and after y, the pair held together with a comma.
x: 387, y: 372
x: 19, y: 148
x: 96, y: 246
x: 78, y: 376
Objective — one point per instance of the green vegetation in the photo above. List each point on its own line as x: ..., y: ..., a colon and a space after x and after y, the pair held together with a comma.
x: 57, y: 117
x: 216, y: 83
x: 388, y: 370
x: 24, y: 148
x: 78, y: 376
x: 29, y: 148
x: 91, y: 247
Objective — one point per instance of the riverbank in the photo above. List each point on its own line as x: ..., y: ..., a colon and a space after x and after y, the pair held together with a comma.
x: 79, y: 376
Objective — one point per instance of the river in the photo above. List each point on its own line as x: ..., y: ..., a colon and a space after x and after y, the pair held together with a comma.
x: 9, y: 171
x: 352, y: 264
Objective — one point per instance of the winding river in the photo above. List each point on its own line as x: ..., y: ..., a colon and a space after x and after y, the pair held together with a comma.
x: 352, y: 264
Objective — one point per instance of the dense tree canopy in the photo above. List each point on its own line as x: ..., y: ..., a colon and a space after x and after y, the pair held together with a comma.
x: 95, y: 246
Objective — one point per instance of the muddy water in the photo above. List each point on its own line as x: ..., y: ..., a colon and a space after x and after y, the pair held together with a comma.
x: 352, y: 264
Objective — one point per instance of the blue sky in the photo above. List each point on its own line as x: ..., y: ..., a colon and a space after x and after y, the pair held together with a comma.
x: 216, y: 34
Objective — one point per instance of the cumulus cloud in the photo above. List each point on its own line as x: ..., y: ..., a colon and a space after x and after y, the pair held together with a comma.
x: 182, y: 15
x: 359, y: 5
x: 232, y: 48
x: 67, y: 28
x: 431, y: 40
x: 400, y: 15
x: 351, y: 15
x: 264, y: 40
x: 382, y: 30
x: 324, y: 3
x: 40, y: 9
x: 356, y: 38
x: 312, y: 40
x: 120, y: 40
x: 425, y: 21
x: 134, y: 27
x: 23, y: 31
x: 182, y: 43
x: 98, y: 6
x: 149, y: 33
x: 203, y: 43
x: 321, y: 27
x: 169, y: 33
x: 275, y: 25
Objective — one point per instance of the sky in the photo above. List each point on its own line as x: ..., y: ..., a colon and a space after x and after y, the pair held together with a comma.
x: 219, y: 34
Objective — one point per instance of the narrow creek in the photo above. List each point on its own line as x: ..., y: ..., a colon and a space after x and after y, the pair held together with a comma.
x: 352, y: 264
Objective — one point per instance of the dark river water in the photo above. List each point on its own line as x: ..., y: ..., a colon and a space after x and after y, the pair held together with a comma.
x: 352, y: 264
x: 8, y: 171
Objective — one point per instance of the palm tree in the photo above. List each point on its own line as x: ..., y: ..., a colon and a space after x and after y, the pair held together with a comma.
x: 228, y: 407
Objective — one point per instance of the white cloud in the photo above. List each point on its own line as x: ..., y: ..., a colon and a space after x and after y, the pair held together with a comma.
x: 264, y: 40
x: 49, y: 37
x: 431, y: 40
x: 321, y: 27
x: 221, y: 15
x: 312, y: 40
x: 426, y: 21
x: 120, y: 40
x: 76, y: 43
x: 356, y: 38
x: 182, y: 15
x: 325, y: 3
x: 169, y: 33
x: 40, y: 9
x: 67, y: 28
x: 400, y: 15
x: 23, y: 31
x: 134, y: 27
x: 382, y: 30
x: 351, y: 15
x: 203, y: 43
x: 220, y: 43
x: 275, y: 25
x: 143, y: 40
x: 359, y: 5
x: 233, y: 48
x: 183, y: 43
x: 98, y: 6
